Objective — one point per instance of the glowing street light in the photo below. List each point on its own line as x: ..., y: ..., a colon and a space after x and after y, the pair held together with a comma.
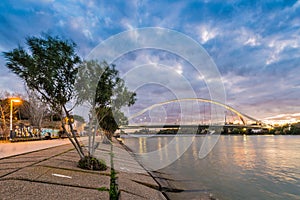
x: 11, y: 113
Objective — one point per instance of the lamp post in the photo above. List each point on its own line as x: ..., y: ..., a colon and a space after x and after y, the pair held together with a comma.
x: 11, y: 115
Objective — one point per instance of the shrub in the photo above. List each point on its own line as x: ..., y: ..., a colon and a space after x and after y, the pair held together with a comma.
x: 91, y: 163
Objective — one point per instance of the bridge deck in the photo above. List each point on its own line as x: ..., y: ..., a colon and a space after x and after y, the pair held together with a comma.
x: 192, y: 126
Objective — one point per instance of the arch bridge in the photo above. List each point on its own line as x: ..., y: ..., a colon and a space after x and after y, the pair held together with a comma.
x: 244, y: 118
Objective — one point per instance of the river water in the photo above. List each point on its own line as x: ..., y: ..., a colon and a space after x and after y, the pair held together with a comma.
x: 238, y: 167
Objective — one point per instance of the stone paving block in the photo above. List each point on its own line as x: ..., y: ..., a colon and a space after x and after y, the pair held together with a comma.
x: 123, y: 161
x: 69, y: 158
x: 126, y: 161
x: 128, y: 168
x: 71, y: 165
x: 71, y: 153
x: 14, y: 165
x: 54, y: 162
x: 23, y: 158
x: 127, y: 196
x: 103, y: 156
x: 75, y: 178
x: 4, y: 172
x: 50, y: 151
x: 146, y: 179
x: 24, y: 190
x: 30, y: 173
x: 126, y: 183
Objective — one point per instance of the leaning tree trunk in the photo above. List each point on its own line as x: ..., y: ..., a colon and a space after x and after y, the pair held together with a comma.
x: 70, y: 138
x: 75, y: 142
x: 93, y: 139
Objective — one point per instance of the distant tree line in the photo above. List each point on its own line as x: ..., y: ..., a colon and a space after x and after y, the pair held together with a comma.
x: 288, y: 129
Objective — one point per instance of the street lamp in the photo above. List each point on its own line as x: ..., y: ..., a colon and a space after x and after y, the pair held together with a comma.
x: 11, y: 115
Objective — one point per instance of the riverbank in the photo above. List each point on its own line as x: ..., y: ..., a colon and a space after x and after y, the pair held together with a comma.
x: 52, y: 173
x: 167, y: 184
x: 134, y: 182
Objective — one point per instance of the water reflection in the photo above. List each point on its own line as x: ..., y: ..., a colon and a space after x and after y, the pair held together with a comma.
x: 142, y: 145
x: 159, y: 147
x: 239, y: 167
x: 177, y: 146
x: 244, y: 154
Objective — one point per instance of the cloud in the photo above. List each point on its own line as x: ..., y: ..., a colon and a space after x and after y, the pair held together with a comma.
x: 206, y: 33
x: 266, y: 96
x: 247, y: 37
x: 283, y: 118
x: 11, y: 83
x: 279, y: 44
x: 255, y: 45
x: 157, y: 76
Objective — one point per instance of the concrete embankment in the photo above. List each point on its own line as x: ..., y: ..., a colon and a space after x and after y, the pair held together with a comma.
x: 134, y: 182
x: 52, y: 173
x: 168, y: 186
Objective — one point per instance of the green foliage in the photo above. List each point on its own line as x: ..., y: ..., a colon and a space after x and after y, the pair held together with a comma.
x: 49, y: 67
x: 113, y: 190
x: 92, y: 163
x: 86, y: 83
x: 79, y: 118
x: 99, y: 84
x: 103, y: 189
x: 295, y: 130
x: 111, y: 96
x: 272, y: 131
x: 110, y: 120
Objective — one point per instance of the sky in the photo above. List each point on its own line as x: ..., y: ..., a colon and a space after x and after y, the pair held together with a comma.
x: 254, y: 44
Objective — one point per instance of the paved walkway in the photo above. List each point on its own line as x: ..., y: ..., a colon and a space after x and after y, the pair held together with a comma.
x: 15, y: 148
x: 53, y: 174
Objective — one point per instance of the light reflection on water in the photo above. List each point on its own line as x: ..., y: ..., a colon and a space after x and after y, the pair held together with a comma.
x: 239, y: 167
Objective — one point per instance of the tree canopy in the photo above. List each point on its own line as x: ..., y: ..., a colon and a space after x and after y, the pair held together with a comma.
x: 100, y: 85
x: 49, y: 66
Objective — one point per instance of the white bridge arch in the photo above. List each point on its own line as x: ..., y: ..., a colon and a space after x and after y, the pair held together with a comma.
x: 242, y: 116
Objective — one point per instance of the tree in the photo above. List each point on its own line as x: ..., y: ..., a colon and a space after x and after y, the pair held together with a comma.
x: 5, y: 112
x: 100, y: 86
x: 86, y: 85
x: 34, y: 108
x: 49, y: 66
x: 4, y: 106
x: 79, y: 118
x: 111, y: 96
x: 110, y: 120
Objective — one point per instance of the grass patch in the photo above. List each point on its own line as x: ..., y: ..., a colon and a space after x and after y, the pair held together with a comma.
x: 103, y: 189
x: 91, y: 163
x: 114, y: 192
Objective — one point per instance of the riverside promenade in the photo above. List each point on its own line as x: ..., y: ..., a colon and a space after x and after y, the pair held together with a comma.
x: 52, y: 173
